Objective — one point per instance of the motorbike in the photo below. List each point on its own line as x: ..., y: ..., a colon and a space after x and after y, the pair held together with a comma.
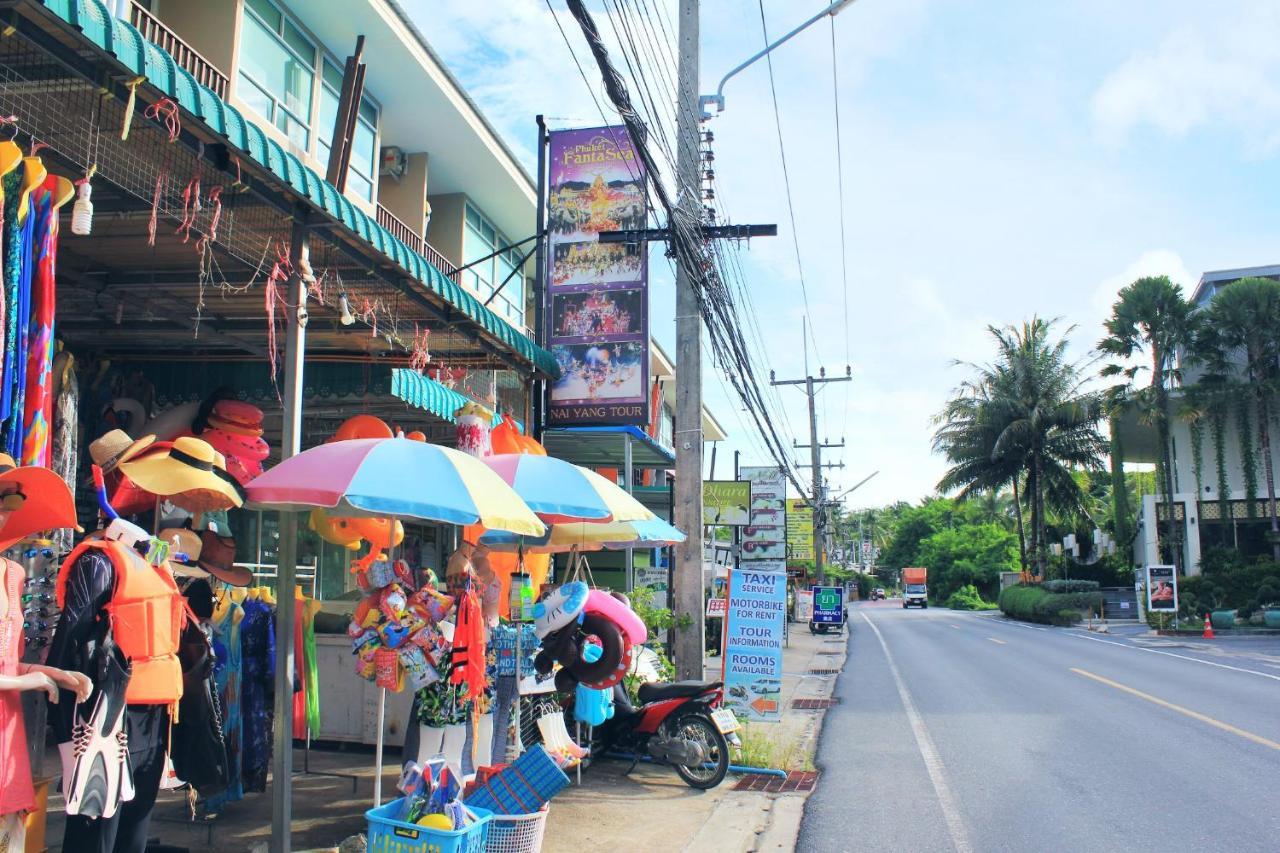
x: 680, y: 724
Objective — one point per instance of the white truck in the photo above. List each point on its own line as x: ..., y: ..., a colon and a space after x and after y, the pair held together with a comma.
x: 915, y: 588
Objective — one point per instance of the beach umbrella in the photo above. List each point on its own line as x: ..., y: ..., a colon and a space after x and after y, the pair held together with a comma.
x: 393, y: 478
x: 583, y: 536
x: 559, y: 491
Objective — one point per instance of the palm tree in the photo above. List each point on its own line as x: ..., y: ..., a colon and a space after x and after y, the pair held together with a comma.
x: 1024, y: 418
x: 1244, y: 320
x: 1152, y: 316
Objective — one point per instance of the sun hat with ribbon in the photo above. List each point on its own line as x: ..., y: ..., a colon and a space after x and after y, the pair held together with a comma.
x: 35, y: 498
x: 185, y: 547
x: 190, y: 473
x: 115, y: 446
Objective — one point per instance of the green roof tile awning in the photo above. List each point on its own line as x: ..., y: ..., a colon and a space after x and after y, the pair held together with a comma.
x: 123, y: 41
x: 429, y: 395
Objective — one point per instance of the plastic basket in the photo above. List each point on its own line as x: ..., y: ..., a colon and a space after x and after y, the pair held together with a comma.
x: 520, y: 833
x: 388, y: 835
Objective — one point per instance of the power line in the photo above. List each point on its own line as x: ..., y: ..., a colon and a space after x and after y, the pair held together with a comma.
x: 844, y: 254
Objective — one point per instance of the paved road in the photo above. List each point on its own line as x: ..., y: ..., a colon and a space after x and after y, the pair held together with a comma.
x: 969, y: 732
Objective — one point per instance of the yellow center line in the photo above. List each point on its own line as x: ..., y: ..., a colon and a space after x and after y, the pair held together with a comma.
x: 994, y: 640
x: 1186, y: 712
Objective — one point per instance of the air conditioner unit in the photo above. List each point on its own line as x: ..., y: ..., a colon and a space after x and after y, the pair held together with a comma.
x: 392, y: 162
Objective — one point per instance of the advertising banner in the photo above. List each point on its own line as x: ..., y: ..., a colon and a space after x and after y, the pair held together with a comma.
x: 799, y: 529
x: 726, y: 502
x: 828, y: 605
x: 765, y: 538
x: 597, y: 293
x: 753, y: 637
x: 1162, y: 589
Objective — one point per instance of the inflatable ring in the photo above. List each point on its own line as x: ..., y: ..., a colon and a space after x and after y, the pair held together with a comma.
x: 601, y: 602
x: 613, y: 644
x: 624, y: 666
x: 559, y: 608
x: 362, y: 426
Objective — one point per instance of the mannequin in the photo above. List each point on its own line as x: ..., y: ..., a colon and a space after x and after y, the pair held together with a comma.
x: 19, y: 519
x: 87, y: 584
x: 471, y: 562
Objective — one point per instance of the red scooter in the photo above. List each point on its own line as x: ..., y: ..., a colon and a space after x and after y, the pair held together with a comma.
x: 680, y: 724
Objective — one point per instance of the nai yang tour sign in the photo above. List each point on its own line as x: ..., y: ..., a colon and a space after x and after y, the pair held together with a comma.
x: 597, y: 310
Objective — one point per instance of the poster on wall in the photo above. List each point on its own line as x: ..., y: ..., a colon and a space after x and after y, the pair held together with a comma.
x: 765, y: 537
x: 597, y: 293
x: 799, y: 529
x: 755, y: 625
x: 1162, y: 589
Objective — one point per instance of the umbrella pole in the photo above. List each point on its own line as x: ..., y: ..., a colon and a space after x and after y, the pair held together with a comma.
x: 377, y: 777
x: 518, y: 745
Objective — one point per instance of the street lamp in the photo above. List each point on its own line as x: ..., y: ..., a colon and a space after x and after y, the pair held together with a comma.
x: 718, y: 98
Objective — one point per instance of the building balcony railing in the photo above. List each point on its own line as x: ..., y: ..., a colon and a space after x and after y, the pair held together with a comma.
x: 187, y: 57
x: 402, y: 232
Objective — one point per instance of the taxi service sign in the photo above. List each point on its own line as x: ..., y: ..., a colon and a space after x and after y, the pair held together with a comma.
x: 828, y: 605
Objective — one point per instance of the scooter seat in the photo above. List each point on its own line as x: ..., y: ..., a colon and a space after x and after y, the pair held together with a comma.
x: 658, y: 691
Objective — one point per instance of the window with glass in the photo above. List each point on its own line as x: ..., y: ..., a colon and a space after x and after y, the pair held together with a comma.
x: 281, y: 72
x: 481, y: 239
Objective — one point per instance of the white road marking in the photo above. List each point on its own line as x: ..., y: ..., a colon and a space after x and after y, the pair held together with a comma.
x: 994, y: 640
x: 1172, y: 655
x: 929, y: 753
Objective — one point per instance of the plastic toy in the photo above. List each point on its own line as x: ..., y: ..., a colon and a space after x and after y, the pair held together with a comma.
x: 560, y: 608
x: 592, y: 706
x: 610, y: 607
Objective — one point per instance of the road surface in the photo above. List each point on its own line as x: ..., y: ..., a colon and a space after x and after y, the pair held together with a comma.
x: 969, y: 732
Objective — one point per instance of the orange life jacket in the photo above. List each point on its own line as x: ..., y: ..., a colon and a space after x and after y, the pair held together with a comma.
x: 147, y: 616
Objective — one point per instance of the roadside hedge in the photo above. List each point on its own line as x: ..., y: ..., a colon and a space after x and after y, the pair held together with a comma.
x: 1230, y: 582
x: 1070, y: 586
x: 1038, y: 603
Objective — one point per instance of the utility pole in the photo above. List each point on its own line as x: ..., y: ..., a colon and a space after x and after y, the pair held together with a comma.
x: 687, y: 572
x: 815, y: 452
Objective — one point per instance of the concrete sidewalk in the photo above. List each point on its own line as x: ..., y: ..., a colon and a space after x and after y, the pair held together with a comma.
x: 652, y: 809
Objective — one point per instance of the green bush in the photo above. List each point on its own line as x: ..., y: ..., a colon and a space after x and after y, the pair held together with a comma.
x: 1070, y: 586
x: 1035, y: 603
x: 967, y: 598
x: 1229, y: 582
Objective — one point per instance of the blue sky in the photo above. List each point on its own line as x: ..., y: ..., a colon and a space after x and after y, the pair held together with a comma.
x: 1002, y: 159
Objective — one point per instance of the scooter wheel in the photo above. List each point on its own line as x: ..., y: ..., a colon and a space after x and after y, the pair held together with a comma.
x: 711, y: 773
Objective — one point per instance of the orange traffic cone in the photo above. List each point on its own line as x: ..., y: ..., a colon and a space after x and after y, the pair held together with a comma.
x: 1208, y: 628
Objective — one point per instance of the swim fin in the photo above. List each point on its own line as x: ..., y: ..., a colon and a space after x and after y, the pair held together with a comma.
x: 101, y: 777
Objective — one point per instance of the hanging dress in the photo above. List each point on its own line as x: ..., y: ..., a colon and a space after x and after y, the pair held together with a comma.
x: 258, y: 651
x: 306, y: 702
x: 12, y: 285
x: 227, y: 680
x: 13, y: 425
x: 37, y: 415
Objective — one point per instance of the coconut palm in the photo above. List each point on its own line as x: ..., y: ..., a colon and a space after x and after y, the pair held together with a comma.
x: 1023, y: 419
x: 1151, y: 316
x: 1242, y: 335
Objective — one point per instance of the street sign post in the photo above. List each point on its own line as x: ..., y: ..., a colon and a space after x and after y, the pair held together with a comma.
x: 753, y: 635
x: 1162, y: 589
x: 828, y: 605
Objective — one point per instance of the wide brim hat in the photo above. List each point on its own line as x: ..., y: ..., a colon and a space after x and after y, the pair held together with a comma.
x: 48, y: 505
x: 217, y: 557
x: 183, y: 542
x: 116, y: 446
x: 190, y: 473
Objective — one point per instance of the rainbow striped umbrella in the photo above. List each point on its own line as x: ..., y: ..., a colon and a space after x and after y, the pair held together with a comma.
x: 585, y: 536
x: 394, y: 477
x: 559, y: 491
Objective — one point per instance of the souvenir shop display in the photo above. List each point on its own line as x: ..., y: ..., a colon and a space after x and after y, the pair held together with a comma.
x: 121, y: 607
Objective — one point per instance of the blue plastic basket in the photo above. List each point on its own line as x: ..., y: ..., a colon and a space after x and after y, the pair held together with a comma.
x: 388, y: 835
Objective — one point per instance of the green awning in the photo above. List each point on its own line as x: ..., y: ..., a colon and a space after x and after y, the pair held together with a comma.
x: 123, y: 41
x: 429, y: 395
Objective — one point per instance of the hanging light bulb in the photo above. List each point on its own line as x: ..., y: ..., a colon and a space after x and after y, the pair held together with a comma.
x: 82, y: 211
x: 348, y: 319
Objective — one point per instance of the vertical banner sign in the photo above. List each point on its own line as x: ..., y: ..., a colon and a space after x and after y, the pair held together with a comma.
x: 726, y: 502
x: 765, y: 538
x: 597, y: 293
x: 828, y: 605
x: 799, y: 529
x: 1162, y: 589
x: 753, y: 637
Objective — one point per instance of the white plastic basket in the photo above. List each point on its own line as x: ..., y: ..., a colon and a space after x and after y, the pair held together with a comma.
x: 520, y: 833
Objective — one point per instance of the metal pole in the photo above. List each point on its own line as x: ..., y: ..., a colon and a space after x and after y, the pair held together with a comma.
x: 630, y: 583
x: 687, y: 577
x: 815, y: 451
x: 294, y: 355
x: 539, y: 277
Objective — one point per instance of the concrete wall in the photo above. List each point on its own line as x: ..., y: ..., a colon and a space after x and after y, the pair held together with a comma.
x: 1184, y: 465
x: 448, y: 218
x: 407, y: 197
x: 211, y: 28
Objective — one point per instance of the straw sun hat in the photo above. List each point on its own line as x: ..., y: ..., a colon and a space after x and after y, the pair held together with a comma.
x: 190, y: 473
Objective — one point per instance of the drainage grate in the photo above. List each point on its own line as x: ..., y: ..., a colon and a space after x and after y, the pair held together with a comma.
x: 828, y: 652
x: 811, y: 704
x: 824, y: 672
x: 796, y: 780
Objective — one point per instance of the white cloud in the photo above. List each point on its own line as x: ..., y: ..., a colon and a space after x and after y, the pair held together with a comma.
x: 1225, y: 73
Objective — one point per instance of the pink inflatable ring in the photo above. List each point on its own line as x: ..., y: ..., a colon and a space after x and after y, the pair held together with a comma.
x: 619, y: 614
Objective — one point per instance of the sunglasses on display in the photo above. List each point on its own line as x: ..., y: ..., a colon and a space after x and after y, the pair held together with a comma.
x: 12, y: 501
x: 32, y: 553
x: 44, y: 597
x: 38, y: 580
x: 38, y: 642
